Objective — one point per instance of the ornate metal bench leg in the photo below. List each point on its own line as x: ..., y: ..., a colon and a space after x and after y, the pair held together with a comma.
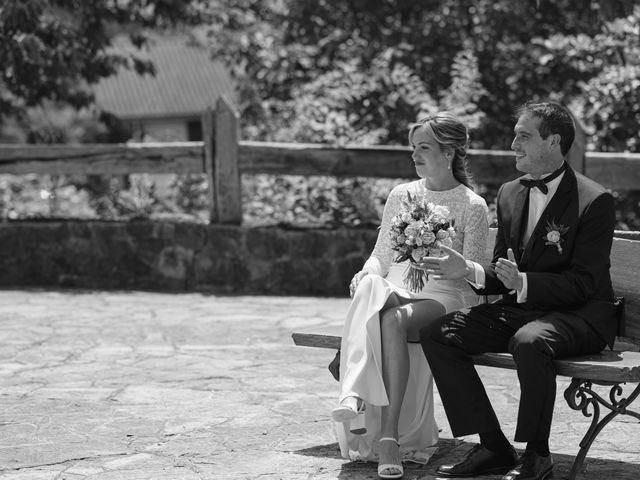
x: 580, y: 396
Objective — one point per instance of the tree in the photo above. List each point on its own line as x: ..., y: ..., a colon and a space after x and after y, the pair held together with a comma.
x: 353, y: 68
x: 52, y: 49
x: 288, y: 55
x: 609, y: 94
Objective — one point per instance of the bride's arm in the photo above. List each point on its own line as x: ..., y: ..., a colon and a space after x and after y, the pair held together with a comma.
x: 476, y: 232
x: 382, y: 255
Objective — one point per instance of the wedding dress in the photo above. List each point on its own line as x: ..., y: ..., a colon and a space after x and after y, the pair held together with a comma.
x: 360, y: 360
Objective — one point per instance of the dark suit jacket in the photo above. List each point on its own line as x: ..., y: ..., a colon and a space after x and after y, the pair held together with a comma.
x: 576, y: 281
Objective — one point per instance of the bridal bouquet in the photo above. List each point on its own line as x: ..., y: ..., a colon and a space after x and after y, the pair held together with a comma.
x: 418, y: 230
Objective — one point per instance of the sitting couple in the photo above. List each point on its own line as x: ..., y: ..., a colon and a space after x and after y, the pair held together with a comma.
x: 551, y: 266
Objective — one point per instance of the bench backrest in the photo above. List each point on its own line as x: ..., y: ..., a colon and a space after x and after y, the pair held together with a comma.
x: 625, y: 274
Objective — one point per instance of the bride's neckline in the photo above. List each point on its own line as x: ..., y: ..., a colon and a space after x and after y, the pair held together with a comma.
x: 424, y: 186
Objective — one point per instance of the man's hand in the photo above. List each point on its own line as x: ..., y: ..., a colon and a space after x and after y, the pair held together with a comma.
x: 452, y: 266
x: 508, y: 273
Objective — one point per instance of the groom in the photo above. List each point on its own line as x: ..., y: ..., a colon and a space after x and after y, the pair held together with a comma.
x: 551, y: 264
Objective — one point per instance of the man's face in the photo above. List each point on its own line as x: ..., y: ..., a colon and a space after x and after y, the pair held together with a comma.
x: 535, y: 155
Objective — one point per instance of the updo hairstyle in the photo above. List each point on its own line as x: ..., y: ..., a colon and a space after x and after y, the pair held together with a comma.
x: 449, y: 131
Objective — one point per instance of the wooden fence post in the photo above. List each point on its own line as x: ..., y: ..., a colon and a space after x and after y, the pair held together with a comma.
x: 221, y: 163
x: 576, y: 155
x: 208, y: 136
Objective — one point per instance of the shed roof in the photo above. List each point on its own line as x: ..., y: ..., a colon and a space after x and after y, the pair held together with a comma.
x: 187, y: 81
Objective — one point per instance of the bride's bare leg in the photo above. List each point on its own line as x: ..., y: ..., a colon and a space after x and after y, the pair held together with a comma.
x: 354, y: 403
x: 399, y: 324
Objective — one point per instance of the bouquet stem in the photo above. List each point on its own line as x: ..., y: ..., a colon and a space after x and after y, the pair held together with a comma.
x: 414, y: 278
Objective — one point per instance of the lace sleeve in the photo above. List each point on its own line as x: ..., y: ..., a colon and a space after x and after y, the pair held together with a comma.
x: 475, y: 233
x: 382, y: 255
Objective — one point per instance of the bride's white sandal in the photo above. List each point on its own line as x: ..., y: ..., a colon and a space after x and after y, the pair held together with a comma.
x: 348, y: 409
x: 390, y: 466
x: 358, y: 426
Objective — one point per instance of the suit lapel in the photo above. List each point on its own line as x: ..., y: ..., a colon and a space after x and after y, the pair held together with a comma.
x: 553, y: 212
x: 520, y: 210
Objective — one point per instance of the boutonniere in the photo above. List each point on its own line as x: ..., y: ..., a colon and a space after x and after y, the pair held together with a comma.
x: 554, y: 235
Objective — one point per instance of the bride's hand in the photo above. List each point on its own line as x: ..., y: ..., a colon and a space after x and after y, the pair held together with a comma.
x: 356, y: 280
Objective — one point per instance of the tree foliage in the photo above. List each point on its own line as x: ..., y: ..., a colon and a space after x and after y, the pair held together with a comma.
x: 352, y: 72
x: 53, y: 49
x: 360, y: 71
x: 608, y: 65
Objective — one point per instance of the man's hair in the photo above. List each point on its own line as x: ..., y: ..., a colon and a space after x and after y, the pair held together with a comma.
x: 555, y: 119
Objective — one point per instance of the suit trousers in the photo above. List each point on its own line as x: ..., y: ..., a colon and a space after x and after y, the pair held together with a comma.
x: 533, y: 337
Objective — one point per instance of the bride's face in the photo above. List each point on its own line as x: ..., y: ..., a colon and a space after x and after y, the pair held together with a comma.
x: 428, y: 158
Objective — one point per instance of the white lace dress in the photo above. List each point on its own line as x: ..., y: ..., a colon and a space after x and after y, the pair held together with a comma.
x: 360, y: 362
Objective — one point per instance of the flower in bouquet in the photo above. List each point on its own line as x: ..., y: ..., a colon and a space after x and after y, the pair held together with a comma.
x: 418, y: 230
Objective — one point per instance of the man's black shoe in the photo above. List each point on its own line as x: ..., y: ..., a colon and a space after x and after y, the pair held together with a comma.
x: 531, y: 466
x: 479, y: 461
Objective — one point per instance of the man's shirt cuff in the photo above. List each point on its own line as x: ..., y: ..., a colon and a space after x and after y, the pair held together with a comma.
x: 479, y: 278
x: 522, y: 293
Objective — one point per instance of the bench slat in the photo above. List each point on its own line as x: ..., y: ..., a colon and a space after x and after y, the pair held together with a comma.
x: 608, y: 365
x: 315, y: 340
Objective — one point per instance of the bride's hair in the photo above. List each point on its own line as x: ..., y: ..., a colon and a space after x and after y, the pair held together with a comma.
x: 449, y: 131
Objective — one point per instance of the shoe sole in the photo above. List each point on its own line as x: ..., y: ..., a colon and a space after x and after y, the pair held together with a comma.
x: 343, y: 415
x: 488, y: 471
x: 548, y: 474
x: 358, y: 431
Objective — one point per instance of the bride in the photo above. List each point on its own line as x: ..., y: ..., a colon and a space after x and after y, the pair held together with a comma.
x: 385, y: 410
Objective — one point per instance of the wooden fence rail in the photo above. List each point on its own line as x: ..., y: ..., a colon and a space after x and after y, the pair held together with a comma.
x: 223, y: 158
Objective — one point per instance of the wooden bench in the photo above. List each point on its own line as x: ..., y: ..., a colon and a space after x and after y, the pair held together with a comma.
x: 612, y: 369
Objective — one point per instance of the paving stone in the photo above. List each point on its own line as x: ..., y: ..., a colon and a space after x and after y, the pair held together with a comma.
x: 152, y: 386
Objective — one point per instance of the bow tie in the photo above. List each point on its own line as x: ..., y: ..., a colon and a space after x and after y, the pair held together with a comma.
x: 541, y: 183
x: 532, y: 183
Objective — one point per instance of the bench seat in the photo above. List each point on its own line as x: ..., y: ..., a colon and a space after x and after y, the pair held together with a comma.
x: 605, y: 367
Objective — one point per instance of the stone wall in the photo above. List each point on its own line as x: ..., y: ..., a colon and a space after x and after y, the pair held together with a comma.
x: 181, y: 257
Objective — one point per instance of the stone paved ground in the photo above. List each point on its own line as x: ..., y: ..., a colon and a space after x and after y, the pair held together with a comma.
x: 133, y: 385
